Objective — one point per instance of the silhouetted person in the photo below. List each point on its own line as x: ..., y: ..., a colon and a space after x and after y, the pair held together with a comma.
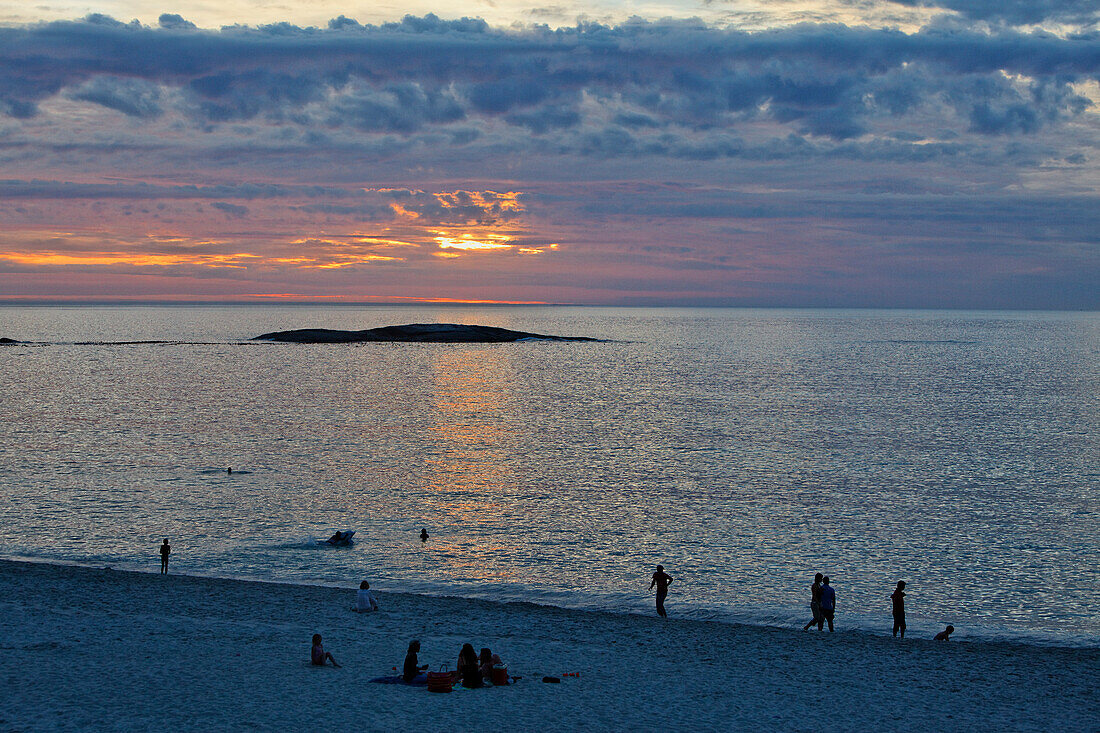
x: 828, y: 604
x: 815, y: 603
x: 229, y: 470
x: 165, y: 551
x: 662, y: 580
x: 423, y: 535
x: 364, y: 599
x: 412, y: 668
x: 469, y: 670
x: 898, y: 598
x: 944, y: 635
x: 317, y: 654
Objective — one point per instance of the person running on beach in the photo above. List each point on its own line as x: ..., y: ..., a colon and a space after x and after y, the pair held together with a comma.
x: 815, y: 603
x: 898, y: 598
x: 944, y: 635
x: 318, y: 656
x: 412, y: 669
x: 165, y: 551
x: 662, y: 580
x: 828, y: 604
x: 364, y: 599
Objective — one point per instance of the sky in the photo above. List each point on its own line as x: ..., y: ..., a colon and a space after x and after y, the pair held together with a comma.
x: 804, y: 153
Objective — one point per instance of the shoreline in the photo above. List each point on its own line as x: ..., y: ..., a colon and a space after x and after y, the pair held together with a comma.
x: 965, y: 634
x: 95, y: 649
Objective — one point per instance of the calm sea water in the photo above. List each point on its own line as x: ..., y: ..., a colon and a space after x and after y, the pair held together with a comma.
x: 742, y: 449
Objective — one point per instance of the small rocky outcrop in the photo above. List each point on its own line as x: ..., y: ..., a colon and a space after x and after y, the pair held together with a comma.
x: 8, y: 341
x: 444, y: 333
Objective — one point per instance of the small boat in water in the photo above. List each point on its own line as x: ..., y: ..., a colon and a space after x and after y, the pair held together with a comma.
x: 340, y: 539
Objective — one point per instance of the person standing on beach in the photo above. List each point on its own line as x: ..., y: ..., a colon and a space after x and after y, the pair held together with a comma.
x: 662, y: 580
x: 815, y: 603
x: 165, y: 551
x: 898, y: 598
x: 828, y: 603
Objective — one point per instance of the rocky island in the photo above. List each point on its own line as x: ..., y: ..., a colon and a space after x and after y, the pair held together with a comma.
x: 438, y: 333
x: 6, y: 340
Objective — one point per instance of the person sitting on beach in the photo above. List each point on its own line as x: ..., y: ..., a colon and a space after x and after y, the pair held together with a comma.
x: 662, y: 580
x: 898, y: 599
x: 828, y: 603
x: 364, y: 599
x: 944, y: 635
x: 469, y: 671
x: 815, y: 603
x: 412, y: 671
x: 318, y: 656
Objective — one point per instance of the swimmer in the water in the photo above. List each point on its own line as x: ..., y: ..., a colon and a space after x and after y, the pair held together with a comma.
x: 229, y: 470
x: 423, y: 534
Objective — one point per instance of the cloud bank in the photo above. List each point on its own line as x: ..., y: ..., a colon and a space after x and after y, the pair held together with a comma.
x: 469, y: 149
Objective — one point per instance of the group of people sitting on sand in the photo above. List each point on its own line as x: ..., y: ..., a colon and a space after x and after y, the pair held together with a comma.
x: 472, y: 670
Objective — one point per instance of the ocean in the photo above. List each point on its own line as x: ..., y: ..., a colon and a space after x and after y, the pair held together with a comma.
x: 742, y: 449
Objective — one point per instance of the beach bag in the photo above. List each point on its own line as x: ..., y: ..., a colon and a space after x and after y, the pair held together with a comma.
x: 499, y: 676
x: 441, y: 681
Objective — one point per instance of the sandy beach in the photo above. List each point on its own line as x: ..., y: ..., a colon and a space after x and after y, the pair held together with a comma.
x: 96, y: 649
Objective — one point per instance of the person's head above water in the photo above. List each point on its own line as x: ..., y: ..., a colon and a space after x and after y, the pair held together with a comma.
x: 364, y: 585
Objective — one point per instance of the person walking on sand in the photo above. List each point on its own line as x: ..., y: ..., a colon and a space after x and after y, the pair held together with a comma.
x: 317, y: 654
x: 662, y: 580
x: 165, y: 551
x: 898, y: 599
x: 828, y: 604
x: 815, y: 603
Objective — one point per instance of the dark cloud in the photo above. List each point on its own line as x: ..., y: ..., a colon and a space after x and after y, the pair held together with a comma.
x: 132, y: 97
x: 234, y: 210
x: 820, y: 81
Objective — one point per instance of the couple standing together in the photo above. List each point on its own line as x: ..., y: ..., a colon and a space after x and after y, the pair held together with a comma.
x: 822, y: 603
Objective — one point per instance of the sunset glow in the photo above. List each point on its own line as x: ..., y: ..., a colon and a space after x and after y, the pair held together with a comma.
x: 818, y: 153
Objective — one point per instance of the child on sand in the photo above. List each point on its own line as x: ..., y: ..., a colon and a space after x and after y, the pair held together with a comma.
x: 318, y: 656
x: 364, y: 599
x: 944, y: 635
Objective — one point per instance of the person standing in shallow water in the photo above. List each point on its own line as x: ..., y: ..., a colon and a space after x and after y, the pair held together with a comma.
x: 165, y: 551
x: 828, y: 604
x: 423, y: 534
x: 662, y: 580
x: 898, y: 599
x: 815, y: 603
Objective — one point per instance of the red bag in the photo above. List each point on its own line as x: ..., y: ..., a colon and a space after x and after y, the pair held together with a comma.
x: 441, y: 681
